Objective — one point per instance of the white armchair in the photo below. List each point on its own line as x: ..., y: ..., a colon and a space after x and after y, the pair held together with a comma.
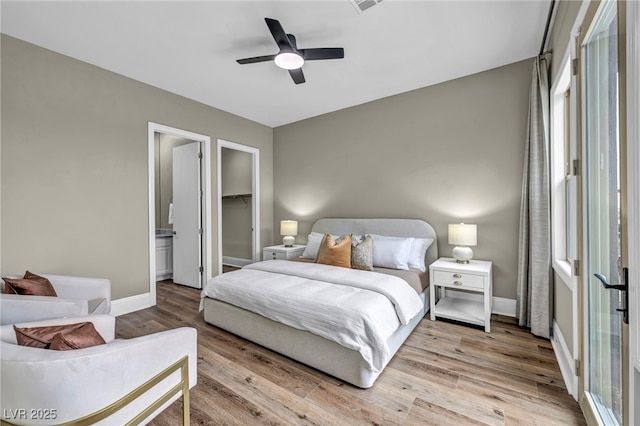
x: 77, y: 296
x: 69, y: 385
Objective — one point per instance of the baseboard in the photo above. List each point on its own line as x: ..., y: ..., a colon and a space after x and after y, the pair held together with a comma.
x: 235, y: 261
x: 565, y: 361
x: 504, y: 306
x: 163, y: 277
x: 130, y: 304
x: 500, y: 305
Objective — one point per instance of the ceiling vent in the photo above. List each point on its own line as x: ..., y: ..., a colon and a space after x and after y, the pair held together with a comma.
x: 362, y: 5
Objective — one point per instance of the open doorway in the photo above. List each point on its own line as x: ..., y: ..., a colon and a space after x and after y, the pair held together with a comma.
x: 179, y: 207
x: 238, y: 204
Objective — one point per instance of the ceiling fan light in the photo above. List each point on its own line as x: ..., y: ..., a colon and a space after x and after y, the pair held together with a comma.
x: 289, y: 60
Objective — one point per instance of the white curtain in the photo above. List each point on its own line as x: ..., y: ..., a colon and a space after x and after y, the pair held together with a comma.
x: 534, y: 291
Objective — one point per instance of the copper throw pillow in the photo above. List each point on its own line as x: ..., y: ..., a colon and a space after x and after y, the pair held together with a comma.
x: 42, y: 280
x: 83, y: 337
x: 30, y: 284
x: 59, y: 337
x: 336, y: 253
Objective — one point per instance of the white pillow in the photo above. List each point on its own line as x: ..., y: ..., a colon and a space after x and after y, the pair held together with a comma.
x: 313, y: 245
x: 418, y: 249
x: 391, y: 252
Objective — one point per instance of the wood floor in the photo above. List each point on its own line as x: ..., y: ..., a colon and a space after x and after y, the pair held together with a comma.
x: 444, y: 374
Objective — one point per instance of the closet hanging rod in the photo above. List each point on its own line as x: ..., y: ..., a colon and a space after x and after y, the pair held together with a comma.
x: 235, y: 196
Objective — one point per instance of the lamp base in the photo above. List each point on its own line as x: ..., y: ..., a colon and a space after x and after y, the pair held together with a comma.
x: 462, y: 254
x: 288, y: 241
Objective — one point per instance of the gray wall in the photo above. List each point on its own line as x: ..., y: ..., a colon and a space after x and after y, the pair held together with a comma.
x: 74, y: 165
x: 563, y: 310
x: 446, y: 153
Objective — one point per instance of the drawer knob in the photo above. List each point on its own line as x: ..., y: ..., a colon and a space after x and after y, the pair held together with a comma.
x: 457, y: 283
x: 457, y: 276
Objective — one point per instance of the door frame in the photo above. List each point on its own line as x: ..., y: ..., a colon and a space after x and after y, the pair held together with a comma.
x: 255, y: 198
x: 633, y: 204
x: 154, y: 128
x: 592, y: 9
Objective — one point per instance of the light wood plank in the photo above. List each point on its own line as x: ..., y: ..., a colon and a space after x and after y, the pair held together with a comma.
x: 427, y: 413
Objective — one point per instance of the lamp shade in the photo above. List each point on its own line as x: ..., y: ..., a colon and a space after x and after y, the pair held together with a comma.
x: 463, y: 234
x: 288, y: 227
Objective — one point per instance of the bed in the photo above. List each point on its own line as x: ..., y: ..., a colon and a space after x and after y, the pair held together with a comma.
x: 346, y: 356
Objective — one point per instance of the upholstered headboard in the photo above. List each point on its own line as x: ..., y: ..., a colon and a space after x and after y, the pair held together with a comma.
x: 389, y: 227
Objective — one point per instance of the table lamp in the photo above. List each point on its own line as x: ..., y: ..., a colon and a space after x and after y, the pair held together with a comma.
x: 462, y: 236
x: 288, y: 229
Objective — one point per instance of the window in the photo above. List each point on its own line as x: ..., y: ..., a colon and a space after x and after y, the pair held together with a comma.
x: 563, y: 179
x: 567, y: 176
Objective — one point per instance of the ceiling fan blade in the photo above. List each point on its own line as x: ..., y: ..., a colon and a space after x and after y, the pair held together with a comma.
x: 278, y: 33
x: 292, y: 41
x: 256, y: 59
x: 322, y: 53
x: 297, y: 75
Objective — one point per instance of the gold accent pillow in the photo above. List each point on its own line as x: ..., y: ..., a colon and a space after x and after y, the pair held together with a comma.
x: 335, y: 252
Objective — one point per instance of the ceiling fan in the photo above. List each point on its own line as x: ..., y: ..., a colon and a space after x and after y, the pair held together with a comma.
x: 290, y: 57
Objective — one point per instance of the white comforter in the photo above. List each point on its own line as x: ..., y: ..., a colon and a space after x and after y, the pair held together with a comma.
x: 357, y: 309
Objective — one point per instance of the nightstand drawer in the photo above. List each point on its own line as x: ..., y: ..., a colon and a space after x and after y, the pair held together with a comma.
x: 271, y: 255
x: 458, y: 279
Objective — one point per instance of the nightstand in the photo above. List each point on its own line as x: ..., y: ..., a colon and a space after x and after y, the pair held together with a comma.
x: 281, y: 252
x: 445, y: 275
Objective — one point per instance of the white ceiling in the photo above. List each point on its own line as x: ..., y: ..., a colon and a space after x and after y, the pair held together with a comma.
x: 190, y: 48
